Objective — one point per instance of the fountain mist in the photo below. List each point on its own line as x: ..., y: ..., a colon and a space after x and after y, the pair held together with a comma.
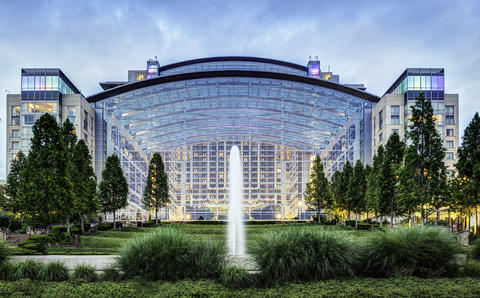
x: 236, y: 229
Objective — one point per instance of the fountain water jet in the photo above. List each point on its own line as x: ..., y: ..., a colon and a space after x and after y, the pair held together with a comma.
x: 236, y: 229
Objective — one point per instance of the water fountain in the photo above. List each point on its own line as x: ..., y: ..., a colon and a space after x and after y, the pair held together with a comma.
x: 236, y: 228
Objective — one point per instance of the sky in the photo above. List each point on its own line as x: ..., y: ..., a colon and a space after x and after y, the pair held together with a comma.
x: 369, y: 42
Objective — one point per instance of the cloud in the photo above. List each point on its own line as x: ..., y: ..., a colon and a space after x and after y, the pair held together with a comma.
x: 368, y: 42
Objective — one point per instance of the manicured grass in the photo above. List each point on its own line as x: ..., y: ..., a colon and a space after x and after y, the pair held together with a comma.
x: 367, y: 287
x: 110, y: 242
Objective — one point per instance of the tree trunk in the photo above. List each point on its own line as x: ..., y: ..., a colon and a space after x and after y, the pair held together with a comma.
x: 475, y: 221
x: 381, y: 220
x: 81, y: 223
x: 114, y: 222
x: 438, y: 217
x: 392, y: 214
x: 156, y: 215
x: 356, y: 220
x: 422, y: 223
x: 448, y: 220
x: 68, y: 225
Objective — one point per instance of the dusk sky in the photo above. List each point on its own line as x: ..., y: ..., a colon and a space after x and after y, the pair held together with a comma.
x: 368, y: 42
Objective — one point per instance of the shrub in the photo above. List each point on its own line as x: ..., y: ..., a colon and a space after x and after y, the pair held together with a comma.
x: 418, y: 251
x: 4, y: 252
x: 58, y: 234
x: 235, y: 277
x: 54, y: 271
x: 170, y: 255
x: 304, y: 255
x: 28, y: 269
x: 475, y: 250
x: 108, y: 226
x: 472, y: 269
x: 110, y: 273
x: 37, y: 243
x: 84, y: 272
x: 7, y: 271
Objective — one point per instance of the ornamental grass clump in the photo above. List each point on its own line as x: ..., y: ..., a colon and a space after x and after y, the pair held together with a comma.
x: 424, y: 252
x: 304, y: 255
x: 236, y: 277
x: 475, y: 250
x: 110, y: 273
x: 84, y: 273
x: 54, y: 271
x: 4, y: 253
x: 7, y: 271
x: 168, y: 254
x: 28, y: 269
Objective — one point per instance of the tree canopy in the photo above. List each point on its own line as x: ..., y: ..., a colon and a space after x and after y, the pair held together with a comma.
x: 155, y: 194
x: 317, y: 193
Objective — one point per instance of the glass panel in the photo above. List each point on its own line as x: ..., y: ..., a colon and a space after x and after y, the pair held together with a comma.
x: 440, y: 83
x: 24, y: 83
x: 410, y: 83
x: 31, y: 83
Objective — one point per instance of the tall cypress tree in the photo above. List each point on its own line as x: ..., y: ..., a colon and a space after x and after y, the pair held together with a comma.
x: 468, y: 165
x: 113, y: 189
x: 374, y: 184
x: 84, y: 181
x: 394, y: 151
x: 11, y: 201
x: 155, y: 194
x: 45, y: 181
x: 69, y: 203
x: 317, y: 192
x: 346, y: 174
x: 428, y: 155
x: 356, y: 190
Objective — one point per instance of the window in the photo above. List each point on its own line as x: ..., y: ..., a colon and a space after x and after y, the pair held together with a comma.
x: 15, y: 133
x: 449, y: 115
x: 71, y: 113
x: 450, y: 132
x: 85, y: 138
x: 28, y: 119
x: 380, y: 120
x: 15, y: 145
x: 395, y: 130
x: 449, y: 155
x: 15, y: 115
x: 394, y: 114
x: 449, y: 144
x: 85, y: 120
x: 380, y: 137
x: 374, y: 124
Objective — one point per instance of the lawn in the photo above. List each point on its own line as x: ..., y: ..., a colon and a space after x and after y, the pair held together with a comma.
x: 110, y: 242
x: 358, y: 287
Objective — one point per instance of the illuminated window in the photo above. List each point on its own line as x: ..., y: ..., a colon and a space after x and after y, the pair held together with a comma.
x: 15, y: 115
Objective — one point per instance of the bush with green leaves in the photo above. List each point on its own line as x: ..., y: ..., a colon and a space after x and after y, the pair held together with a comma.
x: 4, y: 252
x: 169, y: 254
x: 425, y: 252
x: 7, y: 271
x: 475, y: 250
x: 471, y: 269
x: 304, y: 255
x: 28, y: 269
x: 84, y: 272
x: 236, y: 277
x: 54, y: 271
x: 37, y: 243
x: 110, y: 273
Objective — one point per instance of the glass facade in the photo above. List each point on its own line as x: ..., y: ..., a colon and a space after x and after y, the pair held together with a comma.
x: 279, y: 126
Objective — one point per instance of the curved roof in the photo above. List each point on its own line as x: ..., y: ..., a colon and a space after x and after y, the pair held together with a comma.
x: 230, y: 73
x: 232, y: 58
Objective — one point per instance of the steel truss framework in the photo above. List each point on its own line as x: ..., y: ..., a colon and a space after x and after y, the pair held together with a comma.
x: 279, y: 125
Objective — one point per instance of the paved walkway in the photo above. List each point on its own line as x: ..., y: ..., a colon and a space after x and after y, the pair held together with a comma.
x: 96, y: 261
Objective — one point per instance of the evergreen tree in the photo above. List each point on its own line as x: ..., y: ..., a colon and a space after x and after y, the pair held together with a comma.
x: 337, y: 191
x: 113, y: 189
x: 317, y: 193
x: 155, y: 195
x: 345, y: 181
x: 357, y: 184
x: 84, y: 181
x: 394, y: 151
x: 468, y: 165
x: 428, y: 155
x: 11, y: 200
x: 373, y: 185
x: 69, y: 203
x: 368, y: 207
x: 44, y: 180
